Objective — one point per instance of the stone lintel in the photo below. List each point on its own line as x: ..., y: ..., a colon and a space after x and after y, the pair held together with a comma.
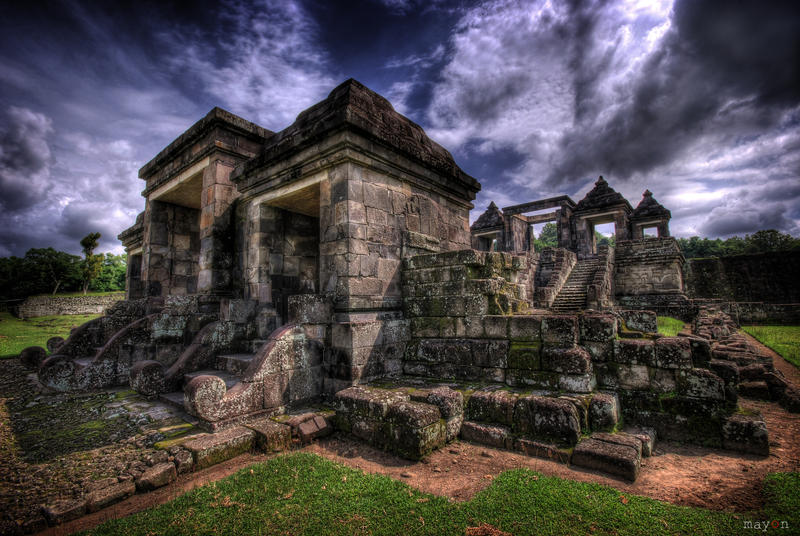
x: 541, y: 204
x: 341, y: 148
x: 217, y: 117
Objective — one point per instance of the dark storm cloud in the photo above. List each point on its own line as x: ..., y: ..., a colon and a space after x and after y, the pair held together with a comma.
x: 533, y: 97
x: 715, y: 54
x: 25, y: 158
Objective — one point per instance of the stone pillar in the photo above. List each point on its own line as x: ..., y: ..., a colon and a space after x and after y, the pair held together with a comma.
x: 133, y: 277
x: 663, y: 229
x: 585, y: 237
x: 216, y: 229
x: 156, y: 262
x: 516, y: 233
x: 621, y: 226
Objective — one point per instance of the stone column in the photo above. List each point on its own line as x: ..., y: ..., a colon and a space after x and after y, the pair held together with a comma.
x: 621, y: 226
x: 216, y: 231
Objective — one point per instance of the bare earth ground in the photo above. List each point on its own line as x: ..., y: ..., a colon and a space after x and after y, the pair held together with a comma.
x: 677, y: 473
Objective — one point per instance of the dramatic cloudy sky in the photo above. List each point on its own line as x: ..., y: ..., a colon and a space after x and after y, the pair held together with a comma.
x: 698, y: 101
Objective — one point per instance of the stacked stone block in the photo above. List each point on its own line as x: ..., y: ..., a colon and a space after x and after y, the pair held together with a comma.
x: 649, y: 275
x: 392, y: 421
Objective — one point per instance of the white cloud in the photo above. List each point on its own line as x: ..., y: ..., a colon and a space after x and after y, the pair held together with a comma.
x: 271, y: 69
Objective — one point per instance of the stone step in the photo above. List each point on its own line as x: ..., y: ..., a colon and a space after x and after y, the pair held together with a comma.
x: 236, y: 363
x: 229, y: 379
x: 256, y: 344
x: 209, y: 449
x: 499, y: 436
x: 174, y: 398
x: 615, y: 454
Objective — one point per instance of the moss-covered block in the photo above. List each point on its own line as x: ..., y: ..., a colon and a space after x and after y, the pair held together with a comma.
x: 212, y: 449
x: 525, y: 355
x: 525, y: 328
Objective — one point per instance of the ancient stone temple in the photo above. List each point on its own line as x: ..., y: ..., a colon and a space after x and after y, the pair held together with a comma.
x: 333, y: 262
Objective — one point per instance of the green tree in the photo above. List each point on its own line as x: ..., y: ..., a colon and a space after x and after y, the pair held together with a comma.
x: 53, y: 268
x: 768, y: 240
x: 91, y: 263
x: 548, y: 237
x: 759, y: 242
x: 13, y: 281
x: 112, y: 273
x: 603, y: 240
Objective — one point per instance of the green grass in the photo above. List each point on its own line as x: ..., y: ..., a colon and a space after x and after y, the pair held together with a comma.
x: 783, y: 339
x: 16, y: 334
x: 669, y: 326
x: 305, y: 494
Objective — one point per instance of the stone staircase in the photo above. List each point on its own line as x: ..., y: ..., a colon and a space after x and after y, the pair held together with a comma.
x: 572, y: 296
x: 229, y: 368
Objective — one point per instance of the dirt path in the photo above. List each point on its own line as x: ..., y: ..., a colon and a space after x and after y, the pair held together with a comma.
x: 677, y: 473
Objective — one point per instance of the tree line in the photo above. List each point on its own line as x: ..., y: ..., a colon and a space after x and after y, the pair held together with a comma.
x: 695, y: 247
x: 49, y: 271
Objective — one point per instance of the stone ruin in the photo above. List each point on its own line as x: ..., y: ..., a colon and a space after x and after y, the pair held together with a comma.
x: 333, y: 263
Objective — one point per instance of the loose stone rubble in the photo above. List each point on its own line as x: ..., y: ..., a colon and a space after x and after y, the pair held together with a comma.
x: 333, y: 262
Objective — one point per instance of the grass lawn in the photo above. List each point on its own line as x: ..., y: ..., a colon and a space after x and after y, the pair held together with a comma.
x: 783, y: 339
x: 16, y: 334
x: 669, y: 326
x: 305, y: 494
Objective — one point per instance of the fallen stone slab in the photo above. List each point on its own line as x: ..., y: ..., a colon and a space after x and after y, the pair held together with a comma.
x: 790, y: 399
x: 620, y: 439
x: 99, y: 499
x: 449, y: 402
x: 156, y: 476
x: 414, y: 429
x: 314, y: 428
x: 539, y: 449
x: 271, y: 436
x: 184, y: 461
x: 647, y: 436
x: 755, y: 389
x: 62, y: 511
x: 551, y: 419
x: 603, y: 411
x: 495, y: 406
x: 612, y: 458
x: 369, y: 401
x: 746, y: 433
x: 497, y: 436
x: 777, y: 384
x: 211, y: 449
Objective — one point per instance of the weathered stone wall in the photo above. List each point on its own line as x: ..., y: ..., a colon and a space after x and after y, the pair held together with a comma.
x: 67, y: 305
x: 754, y: 312
x: 387, y: 219
x: 763, y: 277
x: 172, y: 249
x: 648, y: 266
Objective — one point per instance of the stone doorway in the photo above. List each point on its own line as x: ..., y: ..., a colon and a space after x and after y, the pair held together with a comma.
x: 290, y: 227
